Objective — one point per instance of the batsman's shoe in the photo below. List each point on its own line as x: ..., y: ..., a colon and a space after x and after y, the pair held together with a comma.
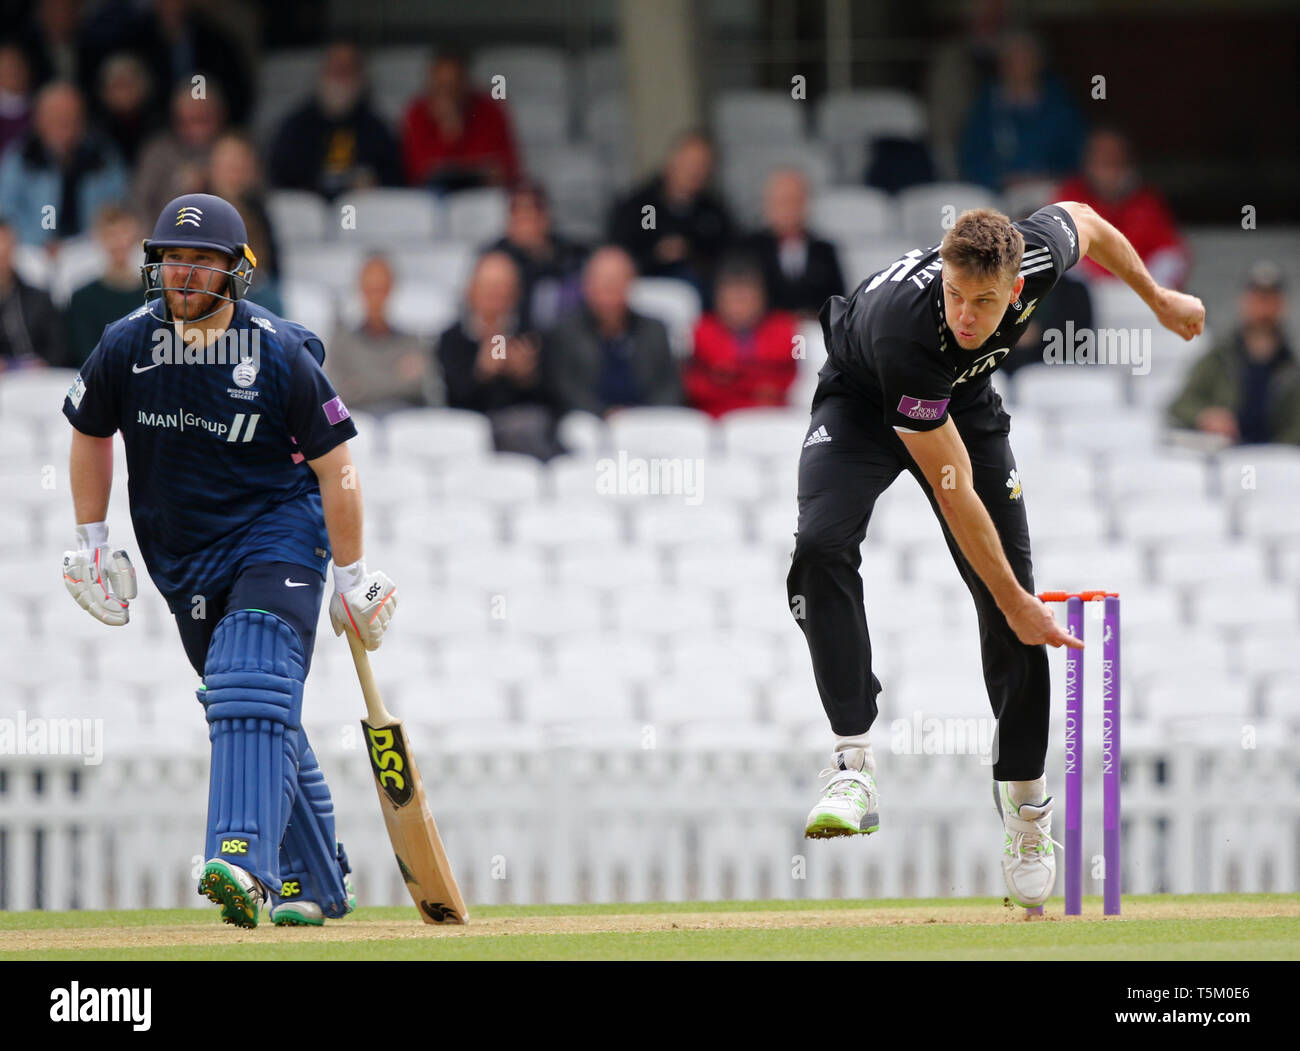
x: 307, y: 913
x: 239, y: 893
x: 1028, y: 857
x: 850, y: 804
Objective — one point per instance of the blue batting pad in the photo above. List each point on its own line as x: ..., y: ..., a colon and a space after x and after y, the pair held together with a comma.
x: 312, y: 863
x: 253, y: 696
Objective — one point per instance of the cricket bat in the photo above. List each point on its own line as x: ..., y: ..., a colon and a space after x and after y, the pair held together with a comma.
x: 420, y: 853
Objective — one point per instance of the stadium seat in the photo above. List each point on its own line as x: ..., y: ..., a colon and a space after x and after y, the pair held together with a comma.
x: 583, y: 433
x: 506, y: 480
x: 328, y: 266
x: 1062, y: 389
x: 1274, y: 523
x: 860, y: 259
x: 579, y: 185
x: 453, y: 435
x: 605, y: 123
x: 477, y: 216
x: 857, y: 213
x: 1264, y: 474
x: 550, y: 612
x: 764, y: 434
x: 80, y: 261
x: 398, y: 71
x: 610, y: 566
x: 848, y: 120
x: 446, y: 264
x: 310, y: 305
x: 747, y: 165
x: 676, y: 700
x: 735, y: 479
x: 300, y: 216
x: 530, y: 72
x: 1136, y: 476
x: 572, y: 698
x: 750, y: 658
x: 1125, y: 435
x: 584, y: 479
x: 744, y: 116
x: 1184, y: 698
x: 1085, y: 564
x: 498, y: 658
x: 1239, y: 604
x: 546, y: 525
x: 492, y: 569
x: 622, y: 658
x: 438, y: 525
x: 33, y: 394
x: 661, y: 431
x: 926, y: 211
x: 662, y: 612
x: 671, y: 301
x: 1195, y: 563
x: 672, y: 523
x: 388, y: 215
x: 420, y: 309
x: 1153, y: 523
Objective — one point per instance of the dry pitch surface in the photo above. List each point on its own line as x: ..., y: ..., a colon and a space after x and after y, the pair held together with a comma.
x: 1259, y: 926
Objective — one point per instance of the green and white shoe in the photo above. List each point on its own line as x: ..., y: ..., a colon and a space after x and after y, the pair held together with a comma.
x: 1028, y: 854
x: 308, y: 913
x: 239, y: 893
x: 850, y: 803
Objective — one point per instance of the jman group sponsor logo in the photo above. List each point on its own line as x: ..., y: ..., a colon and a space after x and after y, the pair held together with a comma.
x: 240, y: 429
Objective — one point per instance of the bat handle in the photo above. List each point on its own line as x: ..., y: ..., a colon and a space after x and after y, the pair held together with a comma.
x: 378, y: 714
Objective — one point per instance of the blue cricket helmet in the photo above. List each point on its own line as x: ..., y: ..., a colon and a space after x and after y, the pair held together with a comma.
x: 198, y: 220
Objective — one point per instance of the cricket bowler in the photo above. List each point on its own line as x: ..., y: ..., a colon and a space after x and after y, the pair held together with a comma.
x: 241, y: 486
x: 906, y: 387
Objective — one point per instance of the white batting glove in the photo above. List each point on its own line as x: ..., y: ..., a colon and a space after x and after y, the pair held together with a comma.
x: 363, y: 603
x: 102, y: 583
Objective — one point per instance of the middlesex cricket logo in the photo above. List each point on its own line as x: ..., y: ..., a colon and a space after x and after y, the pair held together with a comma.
x: 189, y: 216
x: 389, y: 762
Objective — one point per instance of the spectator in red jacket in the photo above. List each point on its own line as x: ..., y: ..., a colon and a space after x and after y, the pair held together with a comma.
x: 1110, y: 183
x: 454, y: 137
x: 744, y: 354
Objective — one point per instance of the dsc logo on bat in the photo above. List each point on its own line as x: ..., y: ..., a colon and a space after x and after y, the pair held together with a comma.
x: 388, y: 757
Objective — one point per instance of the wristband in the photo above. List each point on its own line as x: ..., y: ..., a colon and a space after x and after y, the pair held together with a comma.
x: 348, y: 577
x: 91, y: 535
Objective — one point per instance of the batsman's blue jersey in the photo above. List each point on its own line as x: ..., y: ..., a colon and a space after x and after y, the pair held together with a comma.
x: 217, y: 441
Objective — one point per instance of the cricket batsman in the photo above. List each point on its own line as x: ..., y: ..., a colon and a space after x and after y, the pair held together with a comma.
x: 241, y: 487
x: 906, y: 387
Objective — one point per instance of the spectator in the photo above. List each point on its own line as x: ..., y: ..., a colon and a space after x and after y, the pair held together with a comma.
x: 234, y: 174
x: 550, y: 266
x: 1110, y: 183
x: 54, y: 46
x: 177, y: 42
x: 336, y: 142
x: 604, y: 356
x: 30, y: 332
x: 800, y: 272
x: 454, y: 137
x: 1023, y: 126
x: 689, y: 227
x: 175, y: 162
x: 112, y: 295
x: 374, y: 366
x: 15, y: 95
x: 490, y: 365
x: 56, y: 177
x: 125, y: 108
x: 1247, y: 388
x: 744, y: 354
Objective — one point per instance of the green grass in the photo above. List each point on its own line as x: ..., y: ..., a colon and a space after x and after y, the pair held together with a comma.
x: 1175, y: 937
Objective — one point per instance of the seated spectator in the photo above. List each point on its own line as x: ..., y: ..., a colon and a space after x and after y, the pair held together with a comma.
x: 235, y: 175
x: 177, y: 40
x: 112, y: 295
x: 550, y: 266
x: 124, y: 107
x: 744, y: 355
x: 689, y: 227
x: 1246, y: 389
x: 175, y: 161
x: 800, y: 271
x: 1022, y: 127
x: 604, y: 356
x: 55, y: 178
x: 336, y: 142
x: 31, y: 334
x: 490, y: 365
x: 1110, y: 183
x: 454, y: 137
x: 54, y: 43
x: 15, y: 95
x: 374, y: 366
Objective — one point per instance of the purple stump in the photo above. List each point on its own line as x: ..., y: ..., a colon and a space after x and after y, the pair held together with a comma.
x: 1110, y: 753
x: 1074, y: 761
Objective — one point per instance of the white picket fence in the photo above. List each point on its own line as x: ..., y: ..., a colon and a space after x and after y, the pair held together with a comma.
x: 584, y: 825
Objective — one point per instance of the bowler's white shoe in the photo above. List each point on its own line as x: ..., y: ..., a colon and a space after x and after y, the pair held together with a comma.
x: 850, y: 804
x: 1028, y: 858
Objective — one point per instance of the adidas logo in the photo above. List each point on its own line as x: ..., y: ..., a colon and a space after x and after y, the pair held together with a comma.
x: 817, y: 437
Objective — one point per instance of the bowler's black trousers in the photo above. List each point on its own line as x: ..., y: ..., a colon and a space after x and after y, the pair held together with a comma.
x: 839, y: 482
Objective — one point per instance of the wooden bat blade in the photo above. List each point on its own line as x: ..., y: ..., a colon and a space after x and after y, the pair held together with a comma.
x: 420, y: 853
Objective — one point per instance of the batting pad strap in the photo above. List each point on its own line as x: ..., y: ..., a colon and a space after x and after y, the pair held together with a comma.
x: 254, y: 677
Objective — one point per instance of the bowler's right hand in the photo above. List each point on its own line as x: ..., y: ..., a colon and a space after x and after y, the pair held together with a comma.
x: 101, y: 582
x: 1034, y: 624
